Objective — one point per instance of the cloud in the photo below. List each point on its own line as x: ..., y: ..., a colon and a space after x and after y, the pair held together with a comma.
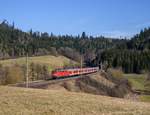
x: 117, y: 34
x: 142, y: 25
x: 1, y: 21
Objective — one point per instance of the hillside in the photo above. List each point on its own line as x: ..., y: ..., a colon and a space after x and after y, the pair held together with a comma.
x: 50, y: 102
x: 39, y: 68
x: 49, y: 60
x: 99, y: 83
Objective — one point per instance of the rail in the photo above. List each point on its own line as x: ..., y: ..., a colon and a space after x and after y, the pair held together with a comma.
x: 44, y: 83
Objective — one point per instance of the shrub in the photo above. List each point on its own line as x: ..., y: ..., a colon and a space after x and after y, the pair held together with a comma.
x: 148, y: 76
x: 116, y: 73
x: 147, y: 82
x: 13, y: 75
x: 38, y: 72
x: 53, y: 51
x: 2, y: 75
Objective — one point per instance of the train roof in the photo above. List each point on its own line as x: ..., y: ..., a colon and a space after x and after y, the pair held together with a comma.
x: 72, y: 68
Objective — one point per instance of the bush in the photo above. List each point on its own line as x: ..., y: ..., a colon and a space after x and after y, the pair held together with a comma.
x: 2, y: 75
x: 42, y: 51
x: 148, y: 76
x: 53, y: 51
x: 70, y: 53
x: 116, y: 73
x: 121, y: 89
x: 147, y: 82
x: 13, y: 75
x: 38, y: 72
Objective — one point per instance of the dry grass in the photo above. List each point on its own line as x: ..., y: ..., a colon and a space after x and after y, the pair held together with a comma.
x: 102, y: 80
x: 20, y: 101
x: 117, y: 73
x: 49, y: 60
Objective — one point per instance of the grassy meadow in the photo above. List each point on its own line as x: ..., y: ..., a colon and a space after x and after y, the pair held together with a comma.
x: 138, y: 83
x: 49, y: 60
x: 137, y: 80
x: 21, y: 101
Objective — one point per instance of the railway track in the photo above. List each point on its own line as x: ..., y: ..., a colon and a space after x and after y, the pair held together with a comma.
x: 43, y: 83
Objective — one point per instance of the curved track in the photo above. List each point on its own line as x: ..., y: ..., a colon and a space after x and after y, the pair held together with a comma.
x: 43, y: 83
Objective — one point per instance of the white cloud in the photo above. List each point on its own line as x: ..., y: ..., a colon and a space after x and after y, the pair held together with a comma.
x: 117, y: 34
x: 143, y: 25
x: 1, y: 21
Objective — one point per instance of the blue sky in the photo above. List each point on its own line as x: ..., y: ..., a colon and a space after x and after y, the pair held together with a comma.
x: 113, y: 18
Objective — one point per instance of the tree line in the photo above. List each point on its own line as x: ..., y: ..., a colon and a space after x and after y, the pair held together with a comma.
x: 130, y: 61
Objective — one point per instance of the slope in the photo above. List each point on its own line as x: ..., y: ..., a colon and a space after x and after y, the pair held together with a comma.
x: 49, y: 60
x: 49, y: 102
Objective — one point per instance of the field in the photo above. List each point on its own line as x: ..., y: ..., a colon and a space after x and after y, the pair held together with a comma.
x: 49, y: 60
x: 137, y: 80
x: 21, y: 101
x: 138, y: 83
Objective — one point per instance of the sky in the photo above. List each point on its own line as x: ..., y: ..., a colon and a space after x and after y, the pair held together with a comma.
x: 110, y: 18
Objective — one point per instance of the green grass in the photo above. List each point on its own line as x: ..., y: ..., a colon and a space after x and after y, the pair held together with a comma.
x: 138, y: 83
x: 22, y: 101
x: 145, y: 98
x: 137, y: 80
x: 49, y: 60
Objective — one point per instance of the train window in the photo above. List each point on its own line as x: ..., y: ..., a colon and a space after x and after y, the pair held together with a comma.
x: 75, y: 71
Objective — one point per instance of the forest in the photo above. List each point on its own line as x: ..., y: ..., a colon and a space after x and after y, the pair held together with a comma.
x: 131, y: 55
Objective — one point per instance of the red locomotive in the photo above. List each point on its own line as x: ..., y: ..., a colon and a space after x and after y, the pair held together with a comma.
x: 58, y: 73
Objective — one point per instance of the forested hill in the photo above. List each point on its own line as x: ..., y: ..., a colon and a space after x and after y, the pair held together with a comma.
x: 131, y: 55
x: 140, y: 41
x: 15, y: 43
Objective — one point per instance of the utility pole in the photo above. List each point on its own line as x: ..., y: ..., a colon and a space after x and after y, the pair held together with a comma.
x: 81, y: 62
x: 81, y: 66
x: 101, y: 66
x: 27, y: 75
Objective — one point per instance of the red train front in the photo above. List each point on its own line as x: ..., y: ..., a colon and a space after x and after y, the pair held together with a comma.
x: 58, y: 73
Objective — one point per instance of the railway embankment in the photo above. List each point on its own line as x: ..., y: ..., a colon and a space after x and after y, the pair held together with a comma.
x: 100, y: 83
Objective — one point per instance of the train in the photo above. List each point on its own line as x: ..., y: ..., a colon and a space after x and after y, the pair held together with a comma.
x: 61, y: 73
